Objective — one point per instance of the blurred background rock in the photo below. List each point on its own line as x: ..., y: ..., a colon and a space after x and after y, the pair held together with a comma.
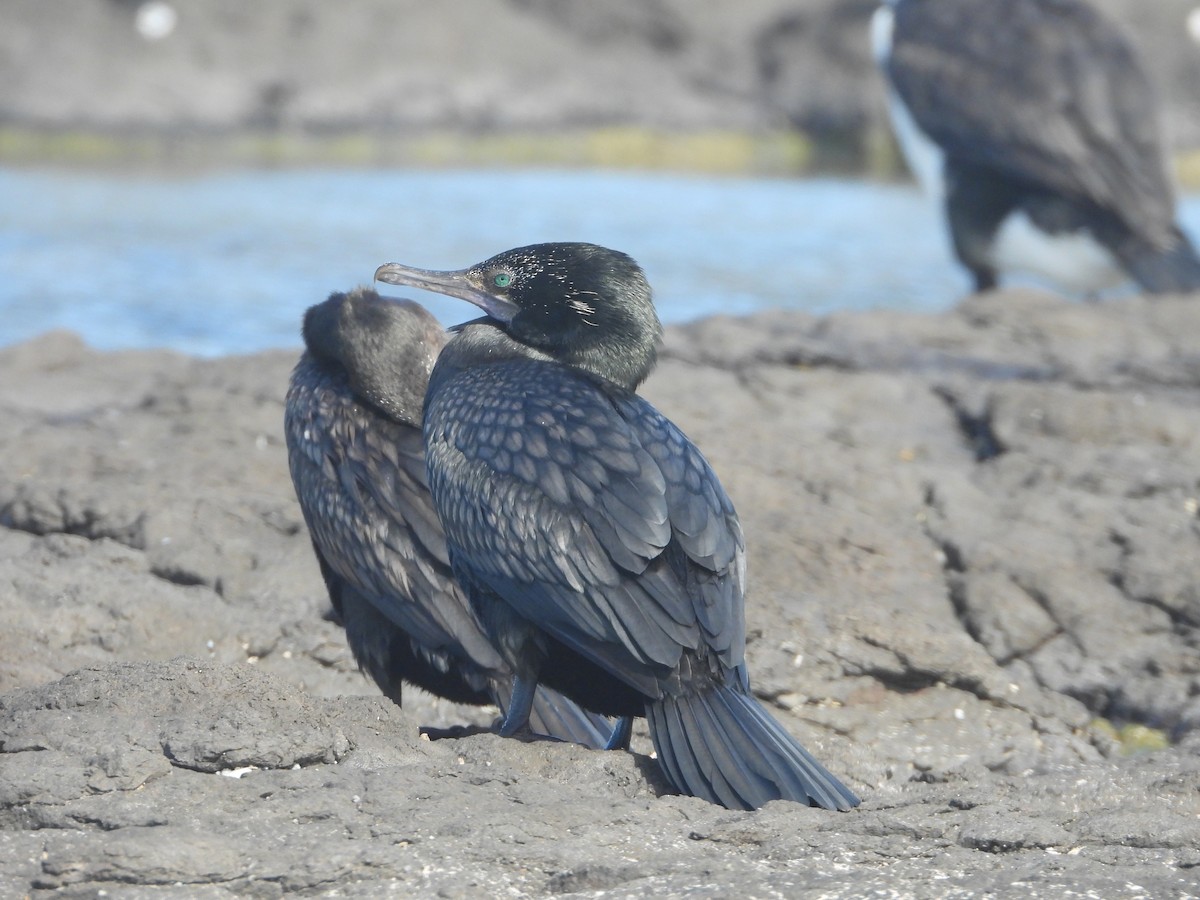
x: 763, y: 86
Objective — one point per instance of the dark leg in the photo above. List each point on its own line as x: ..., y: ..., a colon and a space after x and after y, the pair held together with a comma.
x: 977, y: 200
x: 985, y: 278
x: 519, y: 706
x: 622, y: 732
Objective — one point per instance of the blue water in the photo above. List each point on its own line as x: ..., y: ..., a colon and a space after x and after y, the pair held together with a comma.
x: 227, y: 263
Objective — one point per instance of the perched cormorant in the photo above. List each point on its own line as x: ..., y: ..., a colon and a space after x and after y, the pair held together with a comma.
x: 1034, y: 123
x: 591, y: 536
x: 352, y: 425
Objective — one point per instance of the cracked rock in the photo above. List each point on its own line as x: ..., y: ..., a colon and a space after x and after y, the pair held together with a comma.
x: 997, y: 650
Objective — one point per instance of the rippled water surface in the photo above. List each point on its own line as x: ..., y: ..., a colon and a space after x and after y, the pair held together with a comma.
x: 227, y: 263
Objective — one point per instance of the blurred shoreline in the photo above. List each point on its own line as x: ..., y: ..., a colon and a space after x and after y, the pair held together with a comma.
x: 714, y: 152
x: 782, y: 154
x: 762, y: 87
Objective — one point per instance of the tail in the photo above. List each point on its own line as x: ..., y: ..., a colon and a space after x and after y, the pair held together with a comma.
x: 722, y: 746
x: 1175, y: 270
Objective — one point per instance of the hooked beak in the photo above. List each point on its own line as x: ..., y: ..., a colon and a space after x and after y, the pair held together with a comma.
x: 460, y: 283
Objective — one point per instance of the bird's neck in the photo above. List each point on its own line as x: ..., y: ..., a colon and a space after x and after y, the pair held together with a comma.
x: 622, y: 358
x: 483, y: 343
x: 477, y: 344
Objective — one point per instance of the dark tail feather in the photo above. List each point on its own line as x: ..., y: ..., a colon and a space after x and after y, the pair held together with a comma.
x: 724, y: 747
x: 1172, y: 271
x: 554, y: 715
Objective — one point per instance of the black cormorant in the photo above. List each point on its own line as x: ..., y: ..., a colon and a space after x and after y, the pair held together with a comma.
x: 1034, y: 123
x: 590, y: 534
x: 352, y: 425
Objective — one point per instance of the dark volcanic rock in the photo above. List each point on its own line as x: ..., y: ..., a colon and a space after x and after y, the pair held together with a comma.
x: 974, y: 551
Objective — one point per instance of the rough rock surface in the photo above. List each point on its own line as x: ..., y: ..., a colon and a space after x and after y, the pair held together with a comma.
x: 974, y: 565
x: 486, y: 65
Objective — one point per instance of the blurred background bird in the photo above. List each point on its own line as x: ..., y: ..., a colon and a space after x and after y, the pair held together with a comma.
x: 1034, y: 124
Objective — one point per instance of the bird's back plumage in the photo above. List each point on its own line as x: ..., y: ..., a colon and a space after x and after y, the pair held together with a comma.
x: 591, y: 514
x: 580, y: 515
x: 361, y: 479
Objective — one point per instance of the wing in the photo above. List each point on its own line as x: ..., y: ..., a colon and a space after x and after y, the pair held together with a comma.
x: 385, y: 652
x: 360, y: 478
x: 1048, y: 92
x: 589, y: 513
x: 708, y: 553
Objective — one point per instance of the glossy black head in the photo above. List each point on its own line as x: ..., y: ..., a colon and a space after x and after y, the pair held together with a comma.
x: 580, y: 304
x: 387, y: 348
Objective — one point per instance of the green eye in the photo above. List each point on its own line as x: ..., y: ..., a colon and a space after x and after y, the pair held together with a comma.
x: 502, y: 280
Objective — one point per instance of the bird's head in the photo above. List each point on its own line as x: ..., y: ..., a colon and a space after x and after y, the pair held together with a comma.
x: 580, y: 304
x: 386, y: 347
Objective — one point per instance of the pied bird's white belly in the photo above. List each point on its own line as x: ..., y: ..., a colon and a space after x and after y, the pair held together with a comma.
x: 925, y: 158
x: 1074, y: 261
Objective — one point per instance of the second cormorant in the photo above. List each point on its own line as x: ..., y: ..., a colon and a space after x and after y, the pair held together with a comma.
x: 353, y: 431
x: 593, y: 539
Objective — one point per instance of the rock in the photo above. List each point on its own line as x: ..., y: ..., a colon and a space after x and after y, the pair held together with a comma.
x: 378, y: 67
x: 972, y: 543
